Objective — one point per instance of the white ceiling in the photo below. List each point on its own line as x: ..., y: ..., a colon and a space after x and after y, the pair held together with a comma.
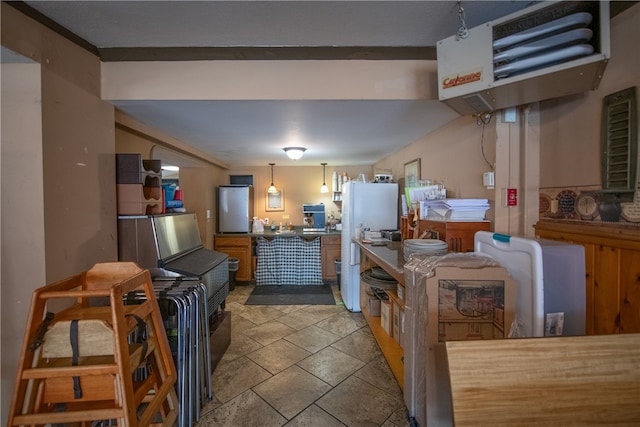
x: 336, y: 132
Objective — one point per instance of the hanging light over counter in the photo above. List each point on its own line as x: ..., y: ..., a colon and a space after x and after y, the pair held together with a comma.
x: 272, y: 188
x: 324, y: 188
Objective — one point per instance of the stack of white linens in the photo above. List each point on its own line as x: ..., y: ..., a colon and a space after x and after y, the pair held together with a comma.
x: 423, y: 246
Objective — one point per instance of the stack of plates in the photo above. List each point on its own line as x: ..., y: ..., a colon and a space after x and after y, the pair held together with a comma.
x: 424, y: 246
x: 376, y: 277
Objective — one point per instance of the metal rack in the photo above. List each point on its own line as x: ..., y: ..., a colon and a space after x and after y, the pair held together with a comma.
x: 185, y: 313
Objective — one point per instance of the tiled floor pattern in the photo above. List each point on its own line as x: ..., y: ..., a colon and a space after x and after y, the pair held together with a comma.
x: 301, y: 365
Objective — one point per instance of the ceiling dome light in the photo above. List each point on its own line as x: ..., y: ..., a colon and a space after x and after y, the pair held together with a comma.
x: 294, y: 153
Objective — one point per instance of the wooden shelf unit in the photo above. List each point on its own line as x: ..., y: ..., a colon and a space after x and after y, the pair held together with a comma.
x: 391, y: 349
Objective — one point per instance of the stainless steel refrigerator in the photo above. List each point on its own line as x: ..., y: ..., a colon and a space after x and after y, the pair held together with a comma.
x: 363, y: 205
x: 235, y: 208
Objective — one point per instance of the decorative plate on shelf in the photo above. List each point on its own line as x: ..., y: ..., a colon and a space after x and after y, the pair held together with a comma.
x: 544, y: 205
x: 630, y: 211
x: 586, y: 206
x: 567, y: 203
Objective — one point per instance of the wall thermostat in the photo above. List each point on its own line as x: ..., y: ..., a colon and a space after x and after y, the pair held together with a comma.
x: 488, y: 180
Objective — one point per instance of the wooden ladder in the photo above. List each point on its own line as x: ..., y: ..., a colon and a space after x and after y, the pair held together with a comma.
x: 116, y: 377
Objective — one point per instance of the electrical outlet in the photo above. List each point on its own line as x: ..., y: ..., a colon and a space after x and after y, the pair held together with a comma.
x: 554, y: 323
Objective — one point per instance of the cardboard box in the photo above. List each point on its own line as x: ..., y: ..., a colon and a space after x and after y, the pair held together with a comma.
x: 386, y: 317
x: 373, y: 304
x: 131, y: 169
x: 462, y: 304
x: 401, y: 291
x: 397, y: 312
x: 135, y: 199
x: 470, y: 303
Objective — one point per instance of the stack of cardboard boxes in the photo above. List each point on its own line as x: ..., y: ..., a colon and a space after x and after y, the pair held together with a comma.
x: 138, y: 185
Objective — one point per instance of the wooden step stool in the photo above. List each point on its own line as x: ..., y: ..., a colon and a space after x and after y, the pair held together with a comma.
x: 110, y: 376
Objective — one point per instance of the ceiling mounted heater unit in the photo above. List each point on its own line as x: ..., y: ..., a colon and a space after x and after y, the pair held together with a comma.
x: 546, y: 51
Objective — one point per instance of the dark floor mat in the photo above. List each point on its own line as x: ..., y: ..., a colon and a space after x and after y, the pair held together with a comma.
x: 291, y: 295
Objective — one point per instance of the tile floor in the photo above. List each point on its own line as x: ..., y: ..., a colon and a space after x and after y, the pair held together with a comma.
x: 301, y: 365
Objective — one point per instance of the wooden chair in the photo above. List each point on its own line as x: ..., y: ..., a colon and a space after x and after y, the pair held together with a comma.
x: 109, y: 376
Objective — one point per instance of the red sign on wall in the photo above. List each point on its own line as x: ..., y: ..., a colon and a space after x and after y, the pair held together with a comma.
x: 512, y: 197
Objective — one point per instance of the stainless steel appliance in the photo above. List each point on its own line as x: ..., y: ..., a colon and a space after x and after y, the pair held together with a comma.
x: 169, y: 245
x: 364, y: 205
x: 235, y: 208
x: 314, y: 217
x: 393, y: 235
x: 172, y: 242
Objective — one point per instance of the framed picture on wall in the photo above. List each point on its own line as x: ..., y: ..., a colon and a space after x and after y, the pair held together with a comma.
x: 412, y: 173
x: 275, y: 201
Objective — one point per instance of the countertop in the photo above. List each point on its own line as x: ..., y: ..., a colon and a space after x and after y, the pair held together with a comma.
x: 389, y: 256
x: 286, y: 233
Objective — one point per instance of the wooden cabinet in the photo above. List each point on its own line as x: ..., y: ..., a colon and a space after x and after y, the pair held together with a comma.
x: 331, y: 251
x: 237, y: 247
x: 612, y: 263
x: 459, y: 235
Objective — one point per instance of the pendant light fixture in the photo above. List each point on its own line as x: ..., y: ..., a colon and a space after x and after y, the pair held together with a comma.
x: 272, y: 188
x: 294, y: 153
x: 324, y: 188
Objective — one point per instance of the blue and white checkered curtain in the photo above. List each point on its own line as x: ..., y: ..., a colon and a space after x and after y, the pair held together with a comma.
x: 289, y: 261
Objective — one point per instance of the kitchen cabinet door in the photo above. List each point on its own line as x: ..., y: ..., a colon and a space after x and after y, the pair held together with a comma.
x: 629, y: 291
x: 606, y: 292
x: 590, y: 256
x: 237, y: 247
x: 331, y: 251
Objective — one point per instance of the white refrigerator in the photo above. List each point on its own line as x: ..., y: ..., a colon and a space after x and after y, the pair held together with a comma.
x: 363, y: 205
